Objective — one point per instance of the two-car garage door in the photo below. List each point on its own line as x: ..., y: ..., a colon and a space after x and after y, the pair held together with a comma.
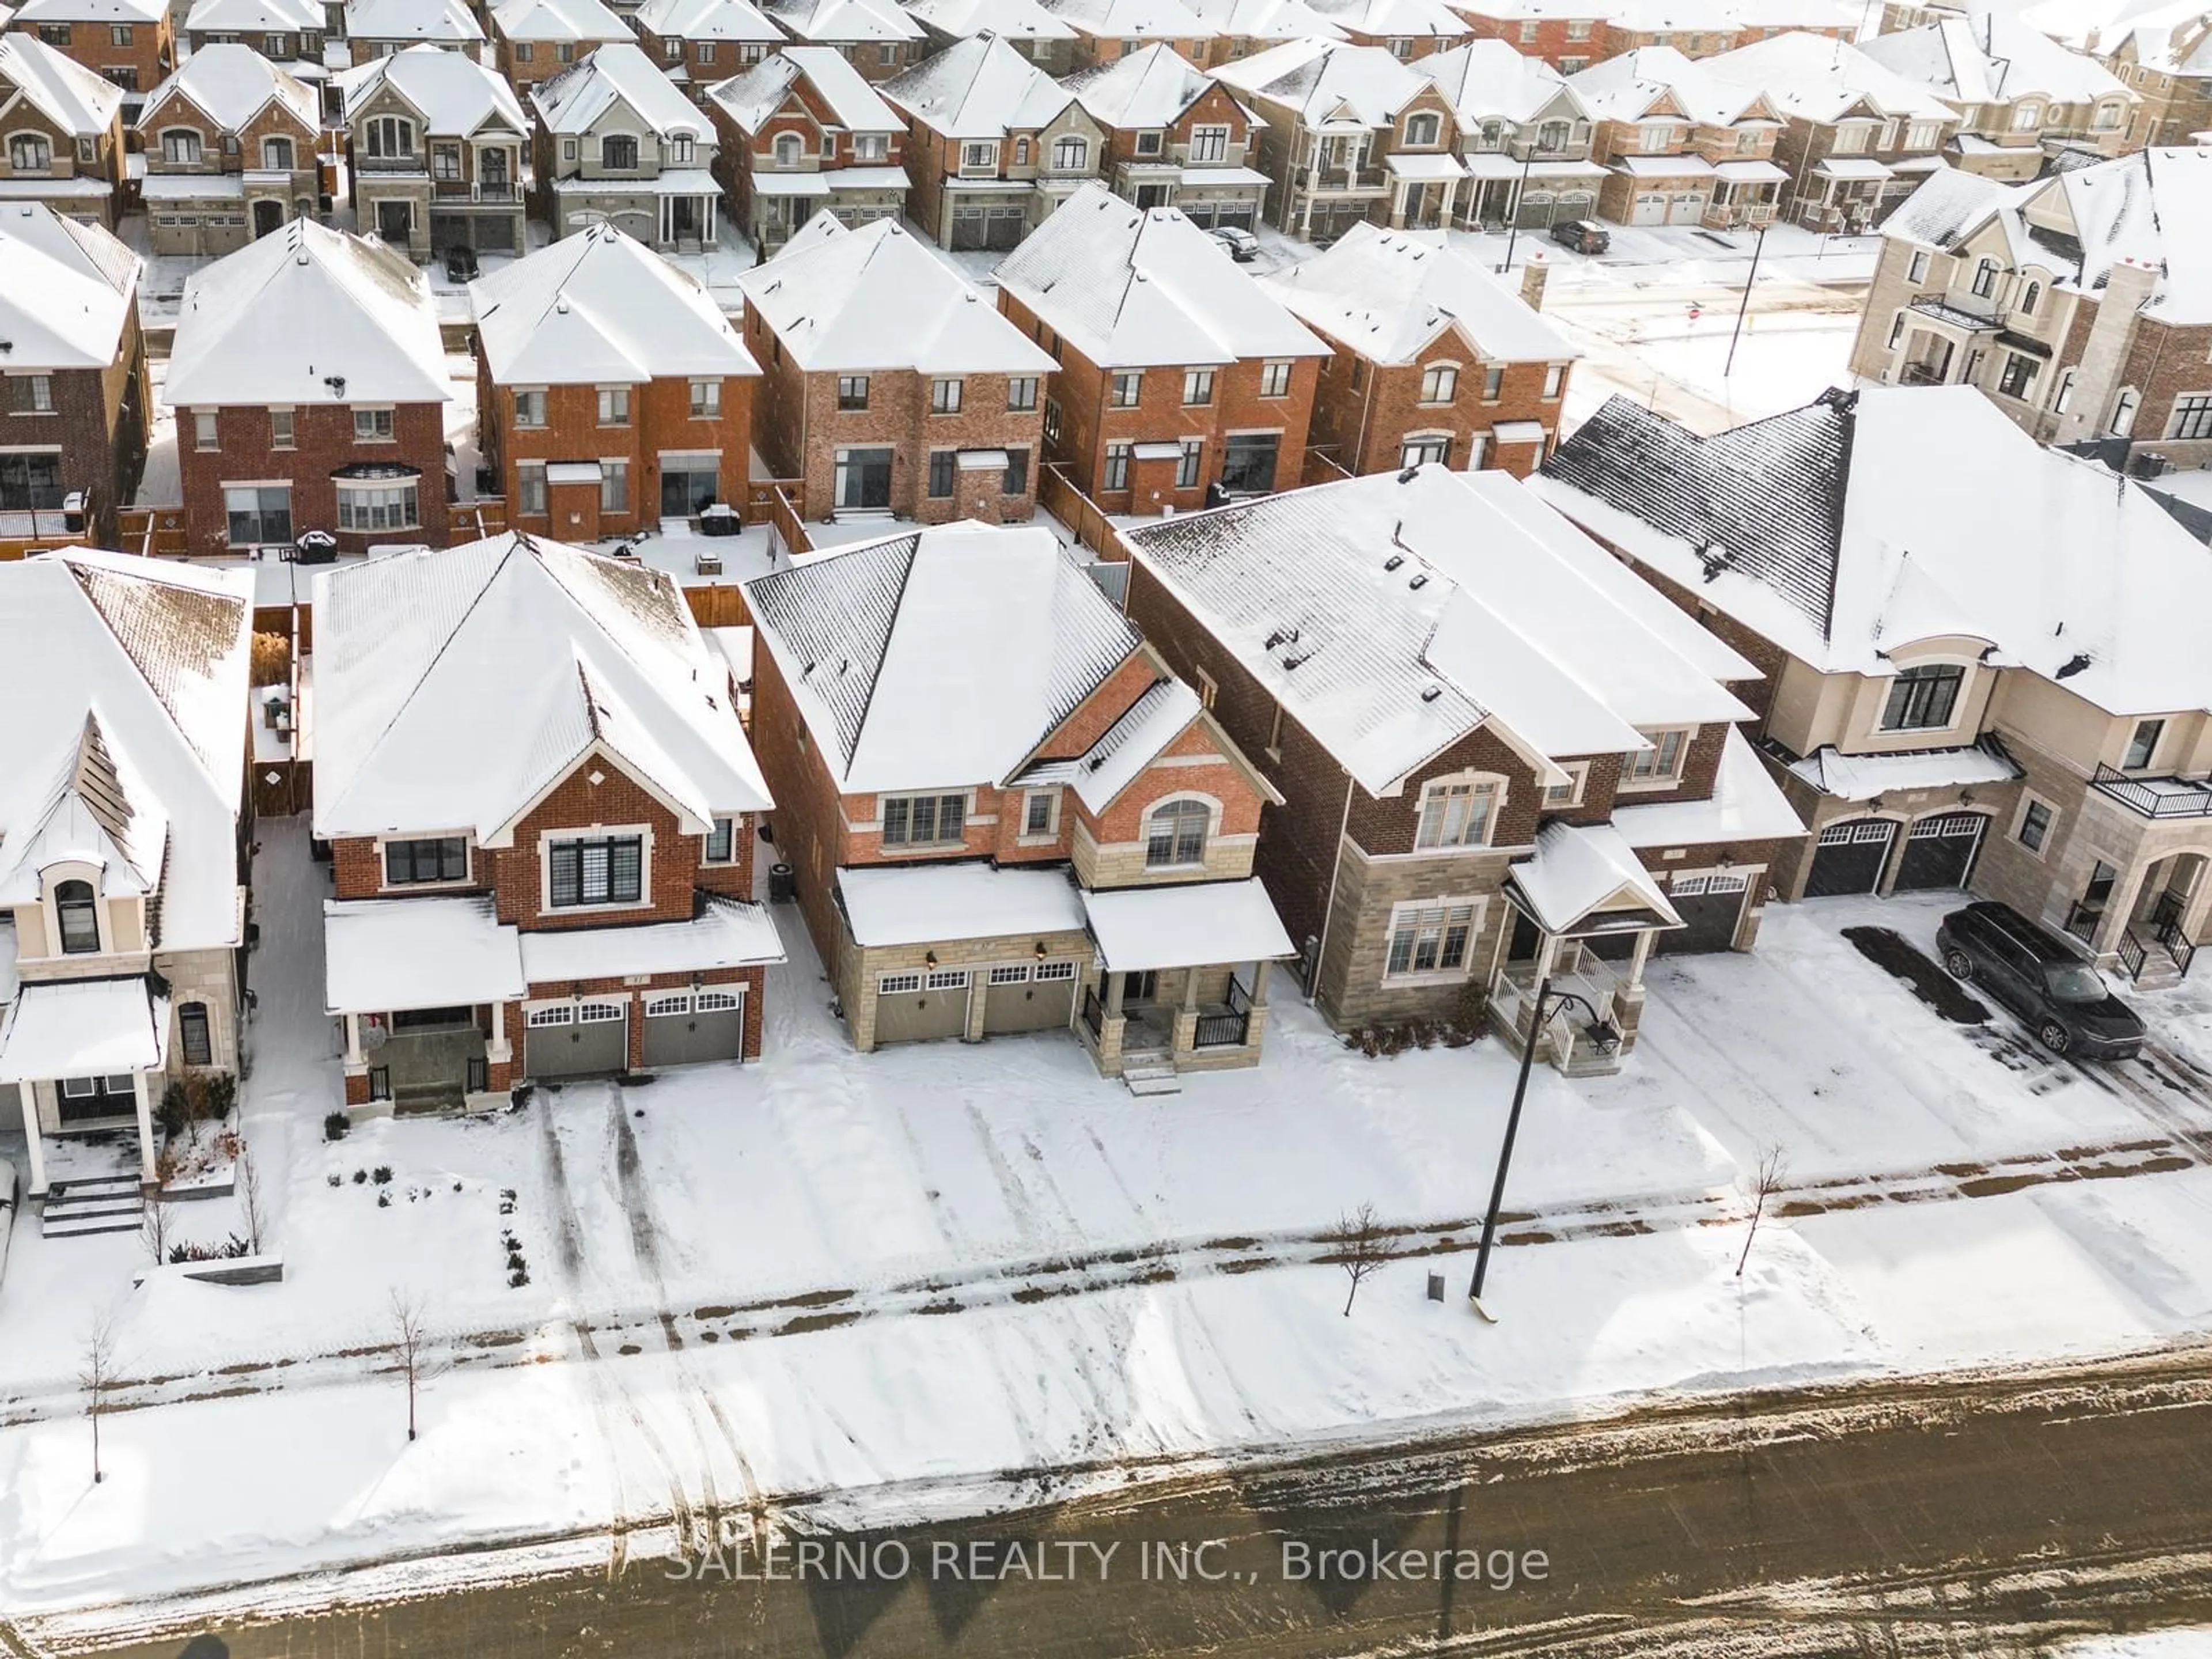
x: 683, y: 1027
x: 577, y: 1039
x: 1851, y: 854
x: 591, y: 1037
x: 913, y: 1006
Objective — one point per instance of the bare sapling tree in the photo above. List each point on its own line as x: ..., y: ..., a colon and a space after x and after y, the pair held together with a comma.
x: 97, y: 1377
x: 153, y: 1229
x: 1358, y: 1249
x: 250, y: 1206
x: 410, y: 1341
x: 1772, y: 1175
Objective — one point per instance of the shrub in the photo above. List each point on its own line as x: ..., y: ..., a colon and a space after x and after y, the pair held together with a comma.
x: 360, y: 1176
x: 230, y: 1250
x: 383, y: 1175
x: 337, y: 1126
x: 335, y: 1179
x: 518, y: 1279
x: 220, y: 1091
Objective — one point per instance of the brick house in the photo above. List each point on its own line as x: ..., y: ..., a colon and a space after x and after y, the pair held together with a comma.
x: 62, y: 146
x: 1525, y: 137
x: 439, y: 152
x: 1003, y: 813
x: 1680, y: 145
x: 993, y: 144
x: 1407, y: 29
x: 287, y: 32
x: 1352, y: 133
x: 889, y: 383
x: 125, y: 838
x: 2070, y: 303
x: 130, y: 44
x: 540, y: 807
x: 800, y: 132
x: 1024, y: 24
x: 612, y: 392
x: 698, y: 43
x: 1986, y: 679
x: 1501, y: 757
x: 617, y: 143
x: 230, y: 143
x: 534, y: 40
x: 377, y: 28
x: 308, y: 379
x: 1108, y: 29
x: 876, y: 36
x: 1245, y: 28
x: 2165, y: 60
x: 1175, y: 138
x: 1856, y: 138
x: 1434, y: 361
x: 1179, y: 376
x: 74, y: 390
x: 1573, y: 34
x: 2019, y: 94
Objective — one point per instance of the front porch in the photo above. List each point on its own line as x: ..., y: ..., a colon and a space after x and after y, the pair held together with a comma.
x: 85, y: 1059
x: 422, y: 988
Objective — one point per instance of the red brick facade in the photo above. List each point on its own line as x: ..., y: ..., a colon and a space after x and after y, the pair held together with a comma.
x: 323, y: 441
x: 1364, y: 413
x: 98, y: 426
x: 134, y: 55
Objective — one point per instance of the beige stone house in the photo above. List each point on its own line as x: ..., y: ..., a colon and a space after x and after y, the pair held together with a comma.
x: 1525, y: 137
x: 440, y: 152
x: 618, y: 143
x: 1680, y: 146
x: 230, y: 143
x: 63, y: 143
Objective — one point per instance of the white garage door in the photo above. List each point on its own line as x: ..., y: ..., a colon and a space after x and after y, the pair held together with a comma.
x: 1687, y: 208
x: 1651, y: 209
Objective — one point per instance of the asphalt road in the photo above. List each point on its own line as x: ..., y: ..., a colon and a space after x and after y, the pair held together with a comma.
x: 1990, y: 1515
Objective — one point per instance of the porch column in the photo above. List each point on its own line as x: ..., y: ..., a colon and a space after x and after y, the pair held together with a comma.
x: 1643, y: 954
x: 146, y: 1174
x: 1114, y: 985
x: 1185, y: 1035
x: 2119, y: 910
x: 353, y: 1050
x: 498, y: 1050
x: 1260, y: 982
x: 26, y: 1093
x: 1547, y: 953
x: 1451, y: 196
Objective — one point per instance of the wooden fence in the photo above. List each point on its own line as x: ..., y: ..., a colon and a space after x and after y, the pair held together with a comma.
x: 781, y: 503
x: 1057, y: 494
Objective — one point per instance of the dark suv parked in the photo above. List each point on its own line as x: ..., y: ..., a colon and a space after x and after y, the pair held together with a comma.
x: 2041, y: 978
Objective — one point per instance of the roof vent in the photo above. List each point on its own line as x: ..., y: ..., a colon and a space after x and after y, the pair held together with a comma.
x: 2072, y: 666
x: 1393, y: 560
x: 560, y: 305
x: 1281, y: 636
x: 1407, y: 476
x: 1429, y: 694
x: 1420, y: 581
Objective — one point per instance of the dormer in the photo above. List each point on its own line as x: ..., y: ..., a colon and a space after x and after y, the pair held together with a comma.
x: 80, y: 874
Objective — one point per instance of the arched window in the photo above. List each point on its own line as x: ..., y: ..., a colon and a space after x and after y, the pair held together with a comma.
x: 1174, y: 834
x: 2030, y: 297
x: 29, y: 153
x: 80, y: 918
x: 192, y: 1032
x: 1021, y: 152
x: 1420, y: 128
x: 1552, y: 134
x: 787, y: 149
x: 1985, y: 279
x: 276, y: 155
x: 2124, y: 413
x: 618, y: 152
x: 1069, y: 154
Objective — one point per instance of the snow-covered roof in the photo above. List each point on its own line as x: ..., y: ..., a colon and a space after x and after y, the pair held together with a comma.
x: 230, y: 85
x: 1131, y: 20
x: 979, y: 88
x: 2153, y: 208
x: 558, y: 20
x: 1746, y: 805
x: 727, y: 932
x: 1392, y: 615
x: 939, y: 658
x: 1386, y: 294
x: 928, y: 904
x: 33, y: 12
x: 1132, y: 287
x: 441, y: 21
x: 1326, y: 81
x: 2171, y: 39
x: 1863, y: 522
x: 306, y: 315
x: 877, y: 299
x: 453, y: 94
x: 66, y: 289
x: 1822, y: 80
x: 1009, y: 20
x: 83, y: 1028
x: 126, y: 742
x: 69, y: 95
x: 380, y: 955
x: 598, y: 307
x: 1149, y: 87
x: 1993, y: 57
x: 1264, y: 20
x: 573, y: 101
x: 454, y: 687
x: 707, y: 20
x: 1579, y: 870
x: 832, y: 22
x: 254, y: 16
x: 1141, y: 929
x: 752, y: 97
x: 1862, y: 777
x: 1419, y: 20
x: 1489, y: 79
x: 1625, y: 88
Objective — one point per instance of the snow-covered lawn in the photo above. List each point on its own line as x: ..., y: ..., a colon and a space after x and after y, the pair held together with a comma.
x: 922, y: 1280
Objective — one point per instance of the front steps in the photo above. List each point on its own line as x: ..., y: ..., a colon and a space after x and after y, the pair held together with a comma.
x: 78, y: 1209
x: 1148, y: 1076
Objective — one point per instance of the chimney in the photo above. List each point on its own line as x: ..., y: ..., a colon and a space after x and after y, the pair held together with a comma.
x: 1533, y: 275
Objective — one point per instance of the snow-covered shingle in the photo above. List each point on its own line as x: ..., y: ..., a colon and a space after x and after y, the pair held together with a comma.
x: 1149, y: 87
x: 1993, y: 57
x: 837, y: 22
x: 65, y: 92
x: 1131, y: 20
x: 1821, y: 80
x: 708, y: 20
x: 980, y: 87
x: 1488, y: 80
x: 752, y: 98
x: 437, y: 22
x: 454, y: 94
x: 573, y: 21
x: 573, y: 101
x: 1009, y: 20
x: 254, y: 17
x: 66, y: 289
x: 230, y: 85
x: 1326, y: 81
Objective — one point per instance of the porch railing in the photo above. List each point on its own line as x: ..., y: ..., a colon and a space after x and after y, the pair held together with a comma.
x: 1227, y: 1029
x: 1094, y: 1014
x: 2154, y: 798
x: 2131, y: 950
x: 2166, y: 929
x: 479, y: 1078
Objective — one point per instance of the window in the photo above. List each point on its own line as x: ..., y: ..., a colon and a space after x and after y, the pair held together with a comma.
x: 2142, y: 745
x: 1190, y: 463
x: 891, y: 985
x: 1117, y: 467
x: 944, y: 396
x: 1985, y: 279
x: 944, y: 467
x: 1022, y: 393
x: 28, y: 152
x: 54, y: 34
x: 80, y: 918
x: 530, y: 406
x: 31, y: 394
x: 1916, y: 270
x: 1021, y: 152
x: 1174, y: 834
x: 1659, y: 765
x: 1248, y: 461
x: 871, y: 146
x: 274, y: 46
x: 1653, y: 139
x: 852, y: 391
x: 1923, y: 699
x: 260, y: 514
x: 1457, y: 813
x: 1209, y: 144
x: 1401, y: 47
x: 276, y: 155
x: 1274, y: 379
x: 1014, y: 974
x: 524, y: 51
x: 1439, y: 384
x: 446, y: 161
x: 2030, y: 297
x: 706, y: 400
x: 1197, y: 387
x: 1070, y: 154
x: 1528, y: 33
x: 1493, y: 382
x: 2036, y: 818
x: 2025, y: 118
x: 1887, y: 138
x: 2018, y: 378
x: 978, y: 158
x: 1016, y: 481
x: 1851, y: 138
x: 1055, y: 970
x: 1570, y: 794
x: 680, y: 150
x: 1420, y: 130
x: 1149, y: 143
x: 1051, y: 420
x: 1040, y: 810
x: 1427, y: 449
x: 118, y: 34
x: 410, y: 863
x: 372, y: 425
x: 924, y: 820
x: 1579, y: 29
x: 393, y: 505
x: 192, y: 1031
x: 618, y: 153
x: 204, y: 433
x: 2124, y: 412
x: 530, y: 488
x: 179, y: 149
x: 389, y: 137
x: 604, y: 870
x: 1430, y: 939
x: 722, y: 841
x: 787, y: 147
x: 2192, y: 416
x: 614, y: 405
x: 280, y: 435
x: 829, y: 147
x: 614, y: 486
x: 1127, y: 384
x: 2058, y: 405
x: 1555, y: 381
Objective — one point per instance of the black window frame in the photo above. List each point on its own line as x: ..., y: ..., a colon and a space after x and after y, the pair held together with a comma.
x: 943, y: 473
x: 1239, y: 453
x: 195, y: 1035
x: 918, y: 827
x: 77, y: 906
x: 721, y: 842
x: 572, y: 884
x: 852, y: 394
x: 2145, y: 737
x: 1923, y: 698
x: 447, y: 857
x: 2192, y: 416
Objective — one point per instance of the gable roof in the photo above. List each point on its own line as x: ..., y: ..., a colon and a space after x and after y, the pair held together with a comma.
x: 453, y: 92
x: 1328, y: 81
x: 829, y: 21
x: 558, y: 20
x: 1132, y: 287
x: 1831, y: 531
x: 306, y: 315
x: 456, y: 686
x: 752, y: 97
x: 979, y: 88
x: 599, y: 307
x: 1993, y: 57
x: 69, y: 95
x: 1149, y: 87
x: 1420, y: 20
x: 1392, y: 615
x: 254, y: 16
x: 1819, y: 79
x: 940, y: 658
x: 1264, y: 20
x: 127, y: 679
x: 1131, y: 20
x: 1625, y: 88
x: 67, y: 288
x: 90, y: 11
x: 876, y: 299
x: 619, y: 72
x: 707, y: 20
x: 1009, y: 20
x: 450, y: 21
x: 1386, y: 294
x: 230, y: 85
x: 1490, y: 78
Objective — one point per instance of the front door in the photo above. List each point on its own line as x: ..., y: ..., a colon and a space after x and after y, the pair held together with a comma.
x: 393, y: 222
x: 267, y: 217
x: 2090, y: 909
x: 1152, y: 195
x: 683, y: 218
x: 863, y: 481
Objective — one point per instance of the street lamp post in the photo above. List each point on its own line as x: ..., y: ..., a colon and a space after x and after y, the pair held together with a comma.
x: 1749, y: 277
x: 1606, y: 1039
x: 1513, y: 224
